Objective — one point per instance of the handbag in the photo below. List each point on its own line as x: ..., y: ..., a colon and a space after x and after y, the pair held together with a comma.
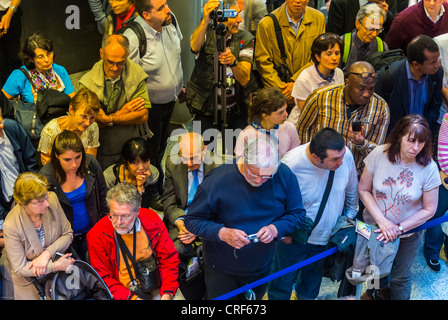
x: 147, y: 276
x: 282, y: 69
x: 302, y: 235
x: 49, y: 104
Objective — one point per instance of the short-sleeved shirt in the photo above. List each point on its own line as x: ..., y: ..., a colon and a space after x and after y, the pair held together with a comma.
x: 18, y: 84
x: 398, y: 188
x: 89, y: 138
x: 286, y: 135
x: 308, y: 81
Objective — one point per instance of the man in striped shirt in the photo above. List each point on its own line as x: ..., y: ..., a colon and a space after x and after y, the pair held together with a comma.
x: 339, y: 106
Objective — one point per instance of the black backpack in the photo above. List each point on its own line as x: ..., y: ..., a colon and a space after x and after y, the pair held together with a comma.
x: 138, y: 30
x: 381, y: 59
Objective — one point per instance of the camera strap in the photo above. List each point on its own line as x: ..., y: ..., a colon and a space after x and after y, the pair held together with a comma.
x: 127, y: 254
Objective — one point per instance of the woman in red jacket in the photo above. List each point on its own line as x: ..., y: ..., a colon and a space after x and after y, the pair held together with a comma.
x: 131, y: 233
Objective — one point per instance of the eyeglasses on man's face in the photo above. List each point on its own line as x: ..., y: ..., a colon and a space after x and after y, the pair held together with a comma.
x: 365, y: 75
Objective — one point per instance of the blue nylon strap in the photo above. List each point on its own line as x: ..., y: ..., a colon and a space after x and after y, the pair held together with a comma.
x: 317, y: 257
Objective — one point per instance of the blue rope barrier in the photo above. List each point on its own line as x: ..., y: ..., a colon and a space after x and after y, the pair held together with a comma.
x: 301, y: 264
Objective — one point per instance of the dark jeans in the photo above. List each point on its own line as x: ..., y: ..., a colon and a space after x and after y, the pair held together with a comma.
x: 435, y: 237
x: 306, y: 280
x: 159, y: 123
x: 218, y: 284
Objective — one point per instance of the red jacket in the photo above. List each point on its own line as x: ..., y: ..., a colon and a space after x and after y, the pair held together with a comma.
x: 103, y: 250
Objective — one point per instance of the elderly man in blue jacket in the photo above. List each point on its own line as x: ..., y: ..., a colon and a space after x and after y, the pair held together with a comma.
x: 240, y: 210
x: 17, y: 155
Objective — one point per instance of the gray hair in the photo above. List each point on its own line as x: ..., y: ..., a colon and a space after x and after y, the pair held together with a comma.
x: 262, y: 152
x: 118, y: 38
x: 370, y: 9
x: 125, y: 193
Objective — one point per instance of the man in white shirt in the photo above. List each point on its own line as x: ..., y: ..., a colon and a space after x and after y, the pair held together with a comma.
x: 162, y: 63
x: 312, y: 163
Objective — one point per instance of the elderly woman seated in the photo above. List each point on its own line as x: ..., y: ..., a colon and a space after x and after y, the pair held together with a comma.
x: 34, y: 230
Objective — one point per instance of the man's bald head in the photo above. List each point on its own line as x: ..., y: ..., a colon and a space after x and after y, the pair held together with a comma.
x: 360, y: 88
x: 361, y: 66
x: 191, y: 147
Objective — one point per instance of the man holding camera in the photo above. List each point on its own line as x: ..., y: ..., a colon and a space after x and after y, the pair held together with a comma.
x: 125, y: 246
x: 236, y: 59
x: 312, y: 164
x: 352, y: 109
x: 240, y: 210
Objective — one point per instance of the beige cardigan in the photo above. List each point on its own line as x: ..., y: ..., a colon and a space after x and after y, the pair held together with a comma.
x: 22, y: 245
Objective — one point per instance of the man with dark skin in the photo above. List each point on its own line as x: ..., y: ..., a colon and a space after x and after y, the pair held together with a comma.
x: 339, y: 106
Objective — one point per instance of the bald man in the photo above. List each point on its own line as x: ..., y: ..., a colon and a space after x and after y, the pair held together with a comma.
x: 340, y: 107
x: 193, y: 161
x: 193, y: 158
x: 121, y: 87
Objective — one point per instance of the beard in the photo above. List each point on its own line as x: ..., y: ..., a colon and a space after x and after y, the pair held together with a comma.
x: 167, y: 21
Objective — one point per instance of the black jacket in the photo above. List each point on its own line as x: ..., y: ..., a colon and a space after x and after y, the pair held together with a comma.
x: 96, y: 190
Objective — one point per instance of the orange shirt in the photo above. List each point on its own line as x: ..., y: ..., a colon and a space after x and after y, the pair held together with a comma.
x: 143, y: 252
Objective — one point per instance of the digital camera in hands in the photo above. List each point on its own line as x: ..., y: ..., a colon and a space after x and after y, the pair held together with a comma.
x: 253, y: 238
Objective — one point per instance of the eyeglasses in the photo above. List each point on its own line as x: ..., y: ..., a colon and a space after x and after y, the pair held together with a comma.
x: 42, y: 57
x: 255, y: 176
x: 40, y: 201
x: 366, y: 75
x: 120, y: 64
x: 329, y: 36
x: 125, y: 217
x: 371, y: 30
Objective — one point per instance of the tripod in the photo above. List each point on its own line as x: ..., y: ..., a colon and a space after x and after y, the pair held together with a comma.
x: 220, y: 80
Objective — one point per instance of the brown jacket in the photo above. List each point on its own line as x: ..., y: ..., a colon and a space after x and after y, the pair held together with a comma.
x: 22, y: 245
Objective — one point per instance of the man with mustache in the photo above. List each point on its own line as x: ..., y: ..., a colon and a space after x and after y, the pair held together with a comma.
x: 162, y: 63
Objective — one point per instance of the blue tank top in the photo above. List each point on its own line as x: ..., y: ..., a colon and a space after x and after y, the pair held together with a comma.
x: 77, y: 198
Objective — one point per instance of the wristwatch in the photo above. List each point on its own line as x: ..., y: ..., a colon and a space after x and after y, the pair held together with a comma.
x: 235, y: 63
x: 14, y: 9
x: 400, y: 228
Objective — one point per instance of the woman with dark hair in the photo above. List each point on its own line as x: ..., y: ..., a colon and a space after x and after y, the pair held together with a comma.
x: 82, y: 112
x: 326, y: 55
x: 37, y: 54
x: 135, y: 168
x: 399, y: 189
x: 78, y: 181
x: 267, y: 115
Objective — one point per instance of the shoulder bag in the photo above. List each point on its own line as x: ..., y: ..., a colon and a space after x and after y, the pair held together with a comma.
x: 302, y: 235
x: 146, y: 271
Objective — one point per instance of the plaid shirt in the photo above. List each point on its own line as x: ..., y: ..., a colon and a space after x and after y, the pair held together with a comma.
x: 326, y: 107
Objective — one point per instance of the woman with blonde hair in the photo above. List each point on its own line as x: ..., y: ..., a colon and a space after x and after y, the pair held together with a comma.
x: 83, y: 110
x: 34, y: 231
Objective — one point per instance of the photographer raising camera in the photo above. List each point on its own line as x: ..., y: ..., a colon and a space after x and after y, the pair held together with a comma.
x: 235, y: 55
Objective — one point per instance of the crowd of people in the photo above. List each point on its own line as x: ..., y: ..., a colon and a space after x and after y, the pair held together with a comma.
x: 328, y: 138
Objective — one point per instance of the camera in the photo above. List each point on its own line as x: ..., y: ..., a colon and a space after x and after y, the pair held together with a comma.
x: 253, y: 238
x: 357, y: 126
x: 221, y: 14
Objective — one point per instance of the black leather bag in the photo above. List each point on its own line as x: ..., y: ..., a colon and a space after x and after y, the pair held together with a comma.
x: 282, y: 70
x: 147, y: 275
x: 302, y: 234
x: 50, y: 104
